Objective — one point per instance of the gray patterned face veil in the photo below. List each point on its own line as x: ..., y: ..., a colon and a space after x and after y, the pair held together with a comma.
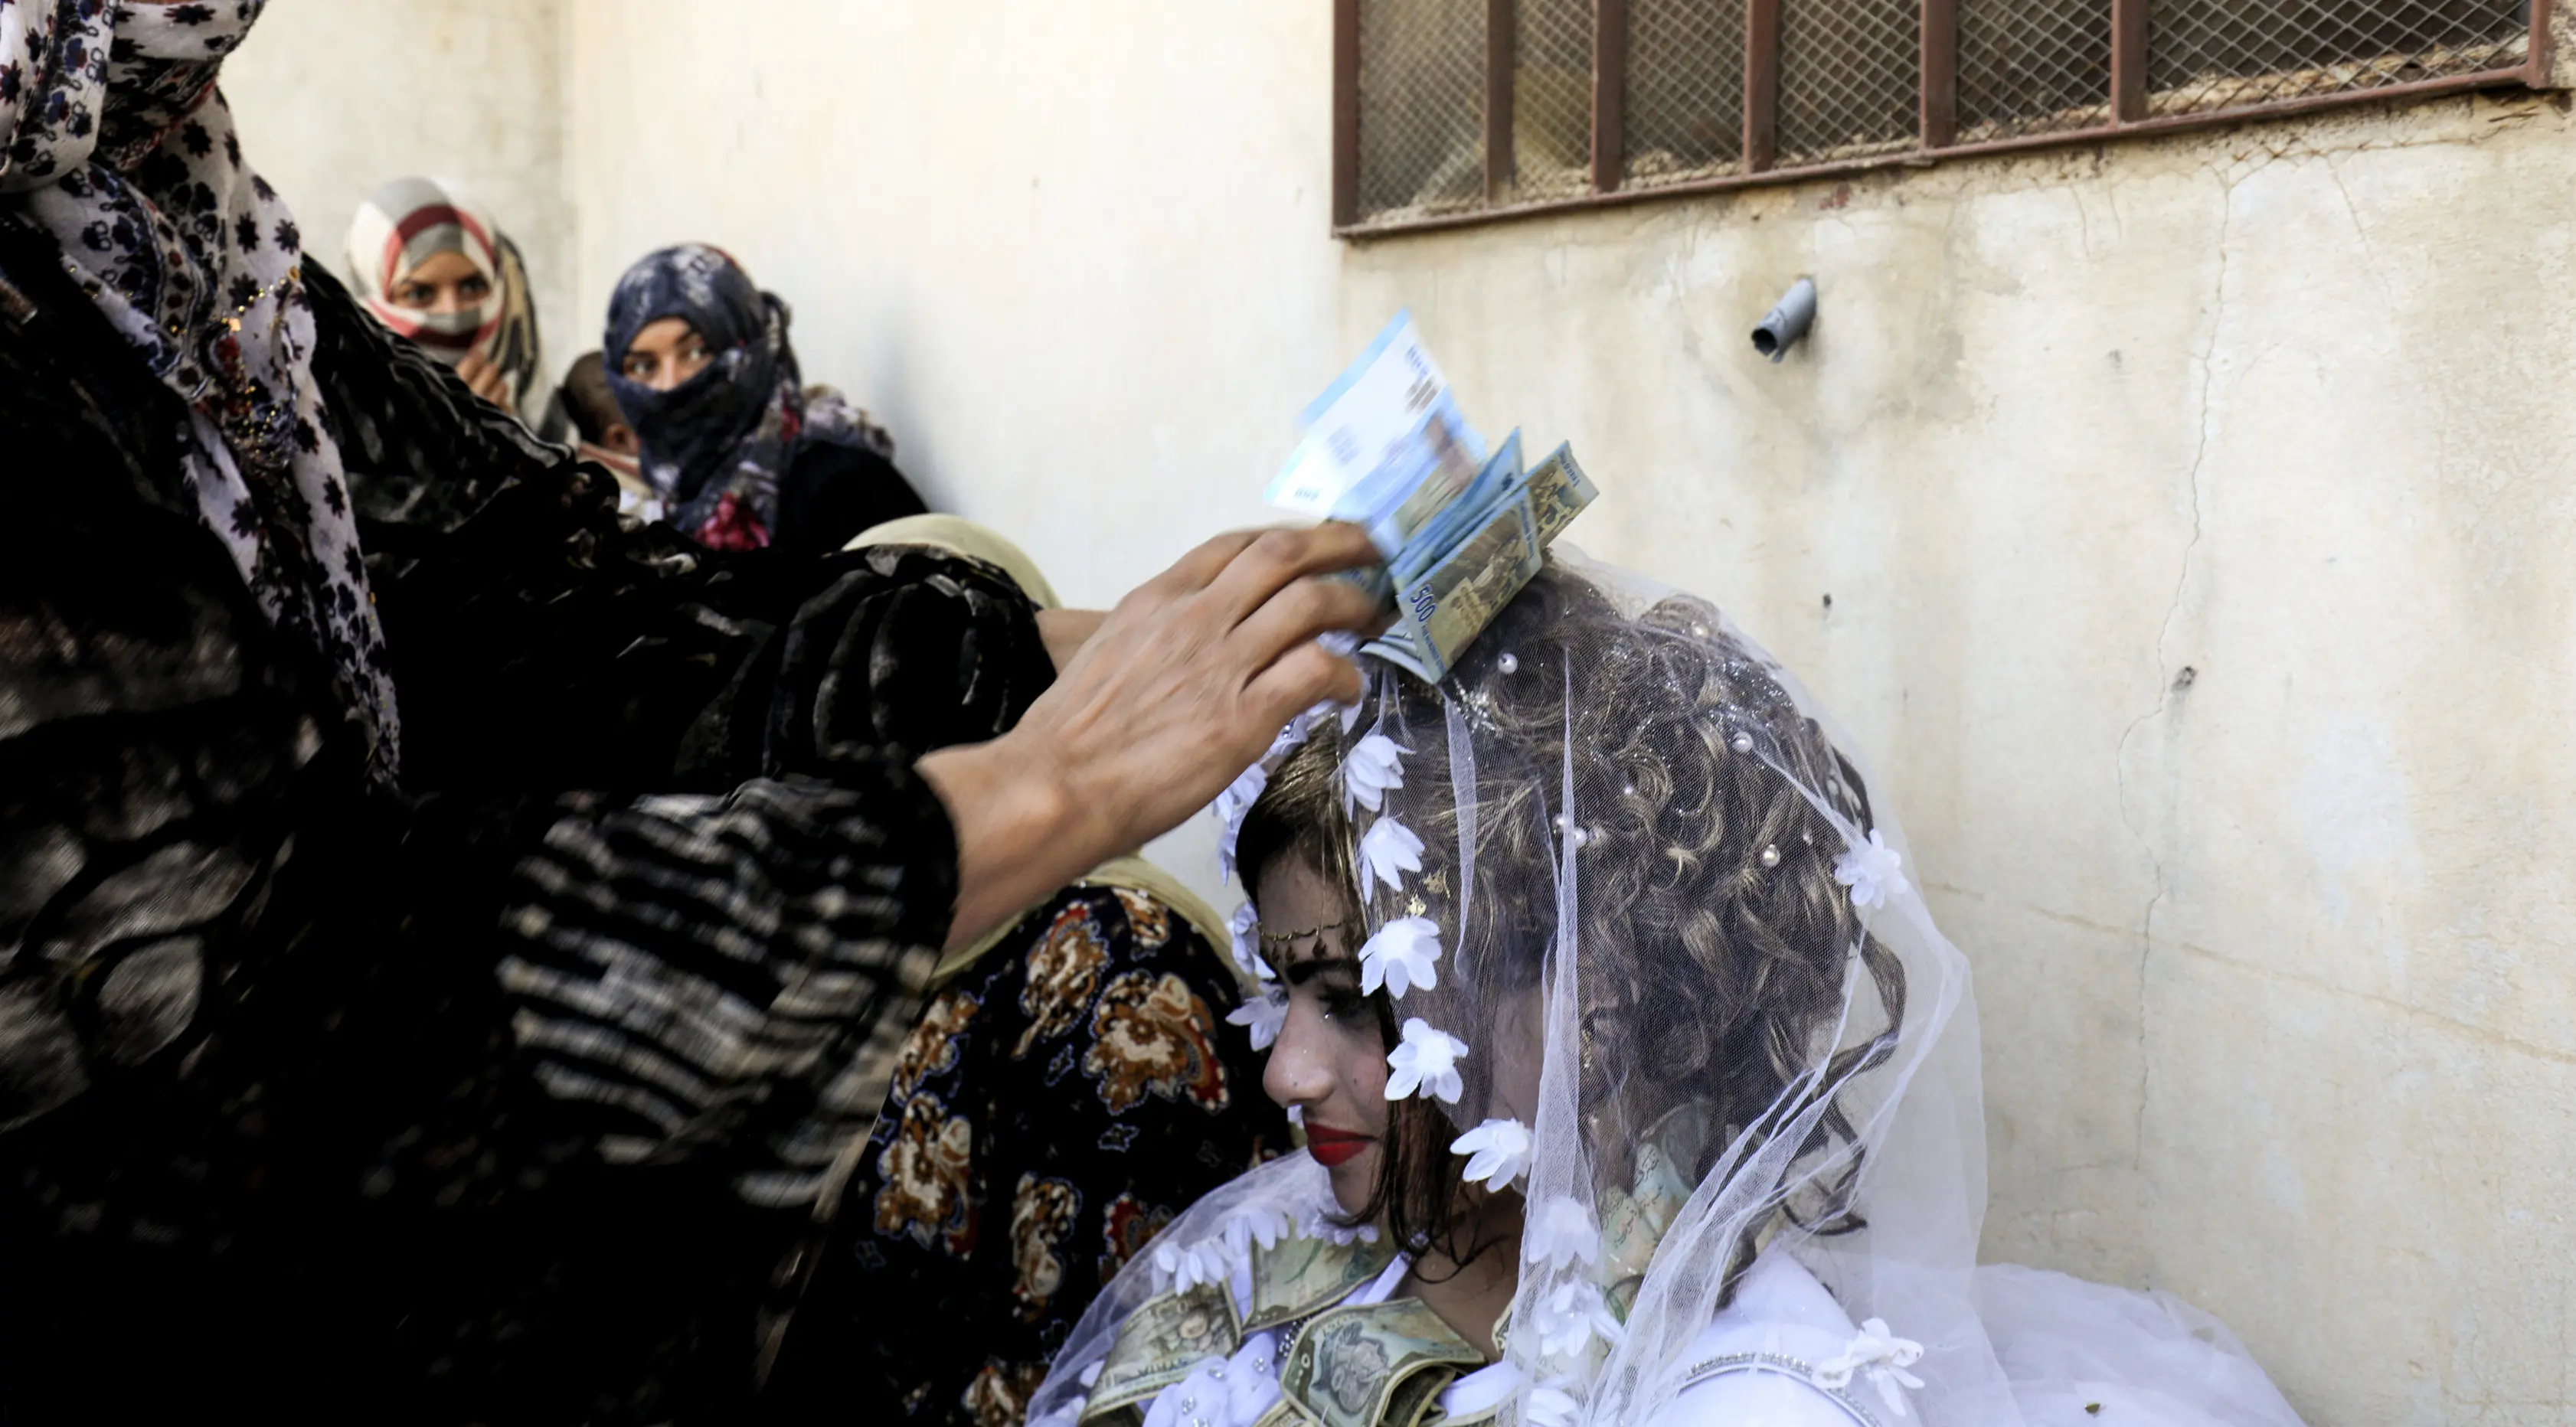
x: 1655, y: 958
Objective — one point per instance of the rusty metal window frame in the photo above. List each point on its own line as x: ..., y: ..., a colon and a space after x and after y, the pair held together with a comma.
x: 2113, y: 69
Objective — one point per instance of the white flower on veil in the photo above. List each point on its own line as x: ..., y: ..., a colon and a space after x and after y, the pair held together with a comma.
x: 1571, y: 1317
x: 1239, y: 796
x: 1231, y: 806
x: 1374, y: 766
x: 1500, y: 1151
x: 1878, y: 1352
x: 1400, y: 956
x: 1552, y: 1404
x: 1262, y: 1017
x: 1387, y: 851
x: 1870, y: 870
x: 1245, y: 925
x: 1246, y: 1227
x: 1426, y: 1064
x: 1212, y: 1259
x: 1182, y: 1269
x: 1562, y: 1234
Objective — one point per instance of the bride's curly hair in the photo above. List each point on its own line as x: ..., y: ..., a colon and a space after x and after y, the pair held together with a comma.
x: 1715, y: 938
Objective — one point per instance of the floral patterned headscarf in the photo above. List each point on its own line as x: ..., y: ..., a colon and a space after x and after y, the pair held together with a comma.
x: 717, y: 445
x: 114, y: 140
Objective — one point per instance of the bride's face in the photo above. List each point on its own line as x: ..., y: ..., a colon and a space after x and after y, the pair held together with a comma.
x: 1330, y: 1060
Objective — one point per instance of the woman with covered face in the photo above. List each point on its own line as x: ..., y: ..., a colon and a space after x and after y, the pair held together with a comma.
x: 1638, y: 1085
x: 741, y: 453
x: 448, y: 933
x: 430, y: 264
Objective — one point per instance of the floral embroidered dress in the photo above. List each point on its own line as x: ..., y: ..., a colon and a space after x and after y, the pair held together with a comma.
x: 1054, y: 1109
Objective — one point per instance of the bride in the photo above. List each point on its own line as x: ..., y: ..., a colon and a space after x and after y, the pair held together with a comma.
x: 1637, y: 1083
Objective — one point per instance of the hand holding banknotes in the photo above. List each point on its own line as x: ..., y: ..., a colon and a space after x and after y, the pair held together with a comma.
x: 1460, y: 532
x: 1184, y: 685
x: 1181, y: 687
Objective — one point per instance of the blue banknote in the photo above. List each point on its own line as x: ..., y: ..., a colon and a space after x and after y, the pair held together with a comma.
x: 1461, y: 531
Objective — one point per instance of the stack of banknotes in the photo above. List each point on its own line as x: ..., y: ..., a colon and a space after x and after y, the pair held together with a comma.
x: 1462, y: 530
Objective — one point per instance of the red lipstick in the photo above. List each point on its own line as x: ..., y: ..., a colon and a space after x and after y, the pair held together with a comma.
x: 1334, y: 1148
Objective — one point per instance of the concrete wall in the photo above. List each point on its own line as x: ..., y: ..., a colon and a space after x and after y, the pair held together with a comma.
x: 336, y: 96
x: 2191, y: 517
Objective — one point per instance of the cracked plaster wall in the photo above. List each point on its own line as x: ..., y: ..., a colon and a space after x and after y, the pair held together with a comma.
x: 2194, y: 516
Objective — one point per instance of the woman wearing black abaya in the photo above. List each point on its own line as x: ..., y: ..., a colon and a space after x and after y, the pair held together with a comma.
x: 443, y: 935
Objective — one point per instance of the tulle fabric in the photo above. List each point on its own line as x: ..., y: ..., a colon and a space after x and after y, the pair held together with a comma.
x: 2083, y: 1353
x: 1679, y: 941
x: 1292, y: 1190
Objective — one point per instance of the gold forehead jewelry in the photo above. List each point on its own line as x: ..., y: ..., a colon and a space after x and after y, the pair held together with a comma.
x: 1285, y: 940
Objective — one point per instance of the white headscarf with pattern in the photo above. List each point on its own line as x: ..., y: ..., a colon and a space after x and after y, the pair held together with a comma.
x: 115, y: 141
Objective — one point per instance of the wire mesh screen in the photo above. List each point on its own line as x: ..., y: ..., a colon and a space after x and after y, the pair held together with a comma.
x: 1849, y: 76
x: 2228, y: 54
x: 1849, y: 81
x: 1685, y: 90
x: 1422, y: 108
x: 1551, y: 99
x: 2033, y: 67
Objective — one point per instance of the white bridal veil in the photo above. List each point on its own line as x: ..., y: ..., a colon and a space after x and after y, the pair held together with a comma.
x: 1662, y: 966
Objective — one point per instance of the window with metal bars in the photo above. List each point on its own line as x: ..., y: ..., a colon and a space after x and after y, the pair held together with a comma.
x: 1459, y: 111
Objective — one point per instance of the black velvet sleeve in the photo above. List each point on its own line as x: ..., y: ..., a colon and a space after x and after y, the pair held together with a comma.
x: 722, y: 867
x: 539, y: 643
x: 910, y: 648
x: 833, y: 492
x: 156, y: 739
x: 722, y: 977
x: 279, y: 1125
x: 419, y: 448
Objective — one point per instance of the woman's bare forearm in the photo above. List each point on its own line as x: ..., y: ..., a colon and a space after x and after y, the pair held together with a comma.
x: 1153, y: 711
